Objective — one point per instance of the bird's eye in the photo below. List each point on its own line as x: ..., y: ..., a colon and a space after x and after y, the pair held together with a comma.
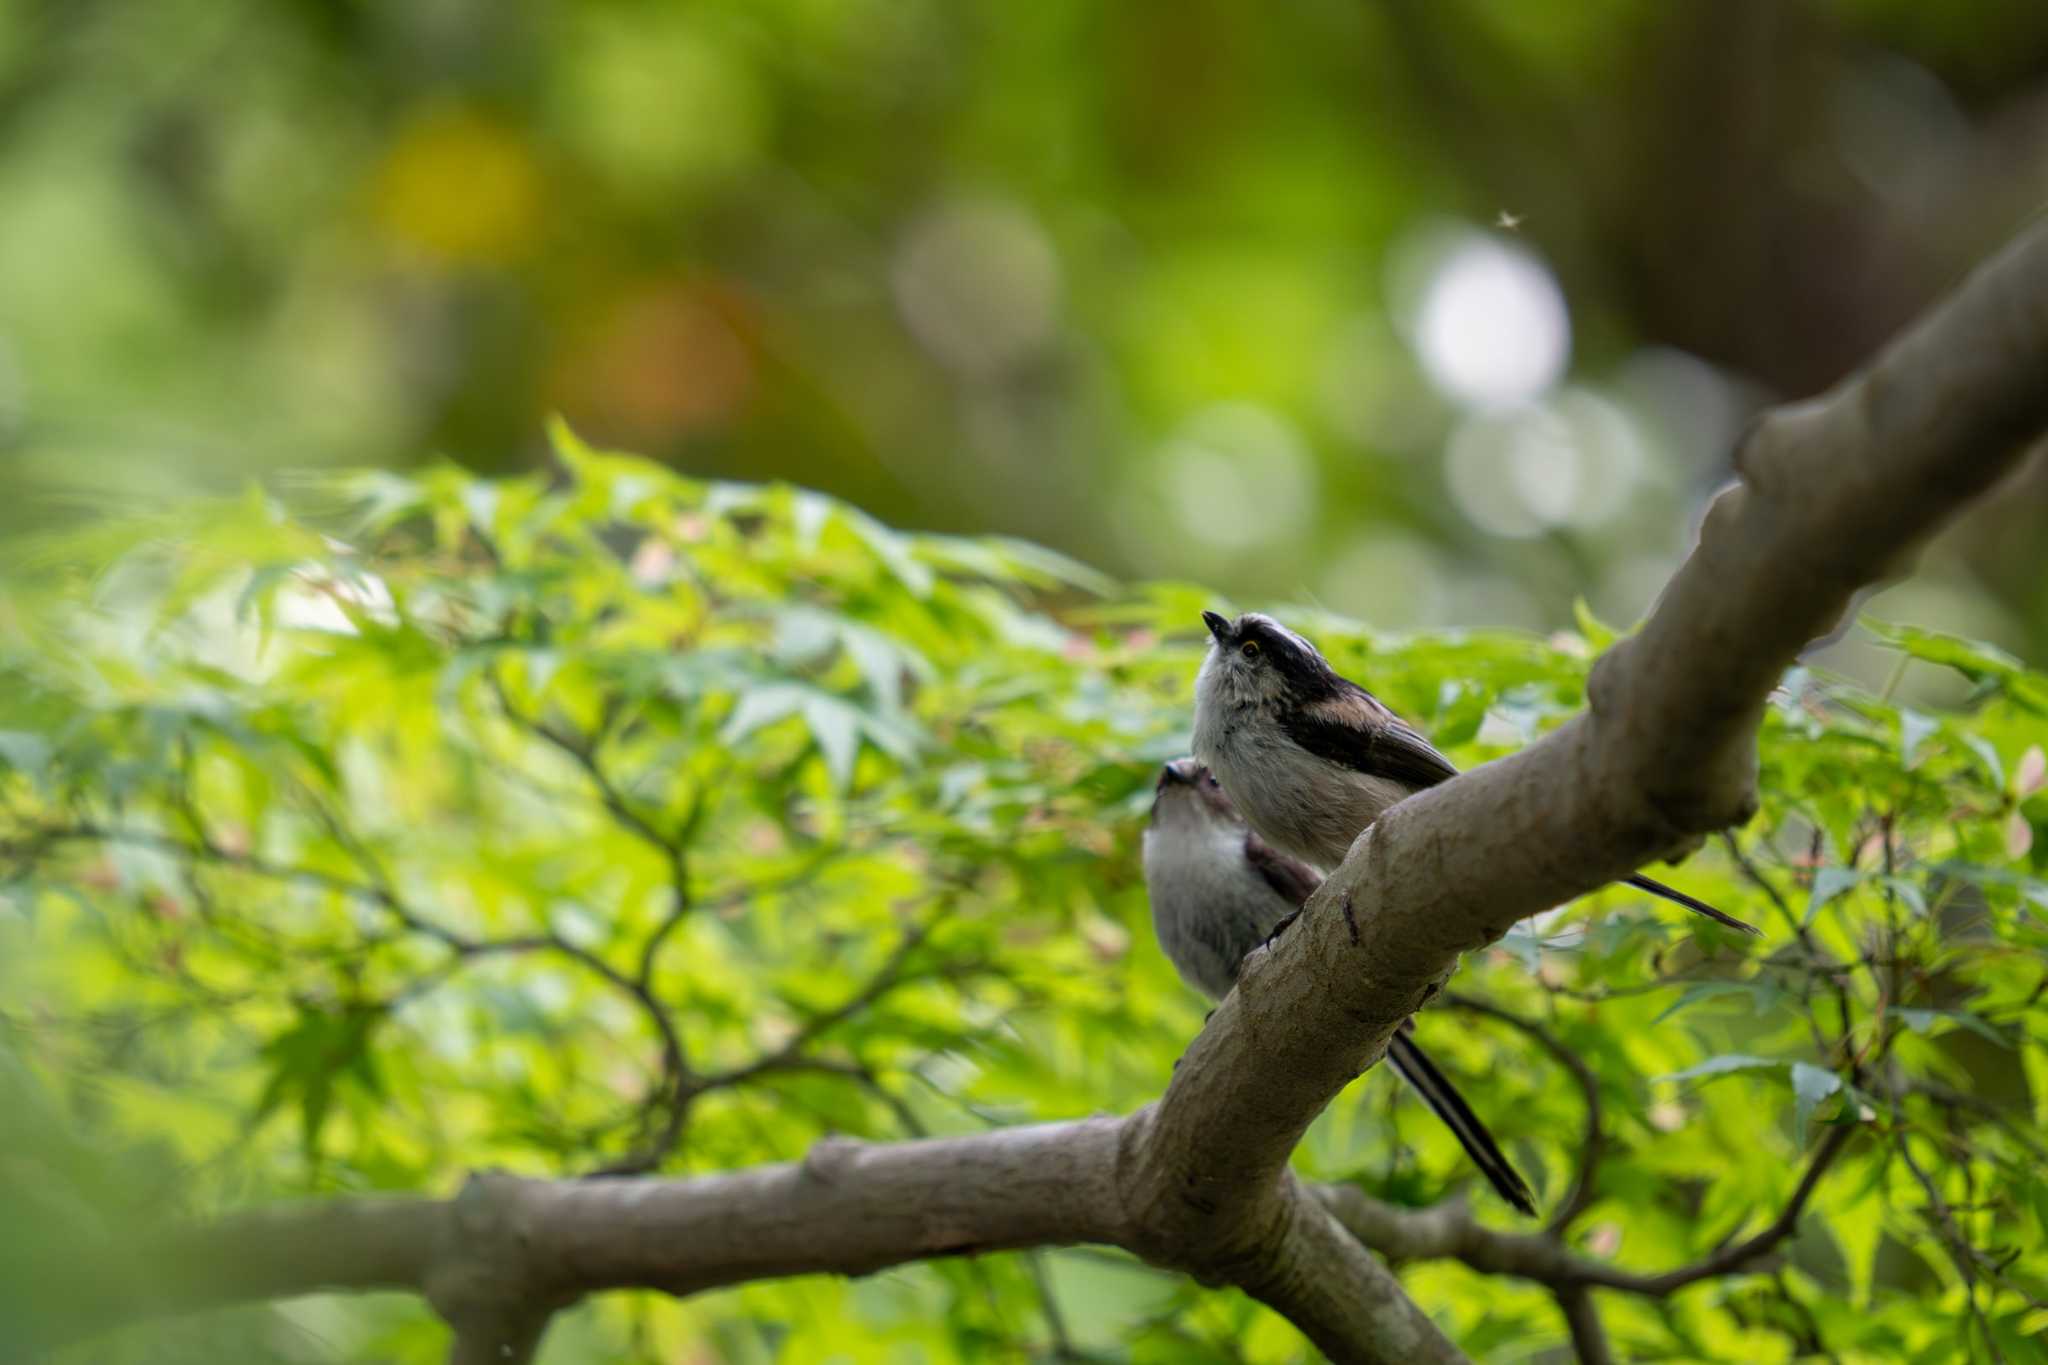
x: 1250, y: 649
x: 1212, y: 779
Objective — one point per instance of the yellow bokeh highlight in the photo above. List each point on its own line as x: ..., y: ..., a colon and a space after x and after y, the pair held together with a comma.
x: 460, y: 188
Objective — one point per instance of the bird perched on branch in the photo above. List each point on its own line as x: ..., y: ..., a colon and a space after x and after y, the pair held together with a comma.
x: 1310, y: 757
x: 1218, y: 891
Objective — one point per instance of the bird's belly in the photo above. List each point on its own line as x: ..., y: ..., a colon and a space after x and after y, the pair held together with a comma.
x: 1298, y: 802
x: 1358, y: 801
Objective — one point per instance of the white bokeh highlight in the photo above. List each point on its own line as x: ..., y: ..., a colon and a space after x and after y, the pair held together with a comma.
x: 1237, y: 476
x: 1489, y: 325
x: 977, y: 282
x: 1573, y: 460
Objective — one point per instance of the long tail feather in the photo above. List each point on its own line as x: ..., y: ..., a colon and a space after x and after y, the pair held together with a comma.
x: 1440, y: 1095
x: 1700, y: 907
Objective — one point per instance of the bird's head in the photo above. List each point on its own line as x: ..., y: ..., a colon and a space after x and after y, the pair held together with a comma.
x: 1256, y: 659
x: 1187, y: 793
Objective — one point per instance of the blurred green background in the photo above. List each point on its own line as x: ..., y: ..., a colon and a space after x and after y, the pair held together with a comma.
x: 1431, y: 314
x: 1426, y: 312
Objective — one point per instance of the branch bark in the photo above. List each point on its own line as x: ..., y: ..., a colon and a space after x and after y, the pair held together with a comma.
x: 1448, y: 1231
x: 507, y: 1248
x: 1834, y: 492
x: 1582, y: 1319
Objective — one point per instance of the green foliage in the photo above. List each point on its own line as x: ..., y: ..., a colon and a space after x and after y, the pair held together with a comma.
x: 413, y: 824
x: 1081, y: 271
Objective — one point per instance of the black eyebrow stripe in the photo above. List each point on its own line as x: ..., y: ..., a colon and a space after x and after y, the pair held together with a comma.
x: 1296, y: 659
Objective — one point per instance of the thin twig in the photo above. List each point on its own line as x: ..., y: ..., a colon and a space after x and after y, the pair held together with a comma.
x: 1589, y: 1338
x: 1593, y: 1145
x: 886, y: 978
x: 1960, y: 1252
x: 1821, y: 962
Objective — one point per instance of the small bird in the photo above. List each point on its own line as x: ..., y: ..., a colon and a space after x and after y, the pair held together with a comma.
x: 1310, y: 757
x: 1218, y: 891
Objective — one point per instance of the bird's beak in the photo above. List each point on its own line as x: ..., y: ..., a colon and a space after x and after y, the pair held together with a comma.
x: 1218, y: 626
x: 1173, y: 773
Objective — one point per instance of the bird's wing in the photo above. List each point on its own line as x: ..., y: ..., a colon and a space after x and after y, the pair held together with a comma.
x: 1355, y: 730
x: 1292, y: 878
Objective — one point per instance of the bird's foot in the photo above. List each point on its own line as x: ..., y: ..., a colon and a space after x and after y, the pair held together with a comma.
x: 1281, y: 928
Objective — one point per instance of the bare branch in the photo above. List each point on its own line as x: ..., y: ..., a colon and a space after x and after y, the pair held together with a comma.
x: 674, y: 847
x: 1049, y: 1308
x: 1589, y: 1338
x: 1941, y: 1219
x: 209, y: 852
x: 805, y: 872
x: 1742, y: 1253
x: 582, y: 751
x: 848, y: 1208
x: 352, y: 1244
x: 1821, y: 961
x: 1343, y: 1300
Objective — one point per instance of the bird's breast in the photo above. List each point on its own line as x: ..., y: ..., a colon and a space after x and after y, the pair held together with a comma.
x: 1299, y: 802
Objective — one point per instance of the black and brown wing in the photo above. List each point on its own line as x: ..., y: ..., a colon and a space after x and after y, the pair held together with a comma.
x: 1355, y: 730
x: 1292, y: 878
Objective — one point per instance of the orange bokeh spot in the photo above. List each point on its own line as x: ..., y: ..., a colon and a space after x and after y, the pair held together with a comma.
x: 668, y: 362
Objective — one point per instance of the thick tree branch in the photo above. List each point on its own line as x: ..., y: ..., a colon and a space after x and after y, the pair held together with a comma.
x: 1326, y: 1283
x: 1835, y: 492
x: 505, y: 1245
x: 294, y: 1249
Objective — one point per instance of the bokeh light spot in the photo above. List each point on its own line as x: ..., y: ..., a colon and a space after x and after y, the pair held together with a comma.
x: 1237, y: 476
x: 1572, y: 461
x: 1490, y: 324
x: 668, y: 364
x: 461, y: 189
x: 657, y: 105
x: 1389, y: 577
x: 978, y: 285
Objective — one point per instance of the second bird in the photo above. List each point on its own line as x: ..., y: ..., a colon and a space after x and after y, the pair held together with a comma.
x: 1218, y: 892
x: 1310, y: 757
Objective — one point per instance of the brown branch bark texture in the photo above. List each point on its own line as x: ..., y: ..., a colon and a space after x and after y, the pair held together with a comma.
x: 1834, y: 494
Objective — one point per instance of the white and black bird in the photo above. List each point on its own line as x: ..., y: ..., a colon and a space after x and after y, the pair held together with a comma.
x: 1310, y: 757
x: 1218, y: 891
